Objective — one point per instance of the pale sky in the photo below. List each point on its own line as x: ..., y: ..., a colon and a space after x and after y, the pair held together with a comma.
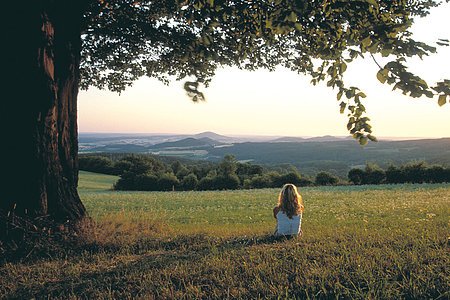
x: 279, y: 103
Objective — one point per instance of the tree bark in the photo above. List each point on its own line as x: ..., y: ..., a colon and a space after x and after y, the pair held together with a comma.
x: 39, y: 112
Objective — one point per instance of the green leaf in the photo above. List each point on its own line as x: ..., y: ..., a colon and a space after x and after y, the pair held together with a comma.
x: 373, y: 2
x: 442, y: 100
x: 298, y: 26
x: 386, y: 52
x: 362, y: 95
x: 343, y: 105
x: 366, y: 42
x: 292, y: 17
x: 363, y: 140
x: 382, y: 75
x: 349, y: 93
x: 372, y: 138
x: 343, y: 67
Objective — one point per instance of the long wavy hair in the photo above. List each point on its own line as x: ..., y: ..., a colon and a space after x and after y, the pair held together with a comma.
x: 290, y: 201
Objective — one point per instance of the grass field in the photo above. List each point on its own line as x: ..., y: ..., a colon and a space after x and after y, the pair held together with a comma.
x: 359, y: 242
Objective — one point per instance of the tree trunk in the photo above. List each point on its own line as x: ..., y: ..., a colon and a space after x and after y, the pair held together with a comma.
x: 39, y: 112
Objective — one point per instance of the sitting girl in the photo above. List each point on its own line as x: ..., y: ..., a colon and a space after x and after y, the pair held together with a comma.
x: 288, y: 212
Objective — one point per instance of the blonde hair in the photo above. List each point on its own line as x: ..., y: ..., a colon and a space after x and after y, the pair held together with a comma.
x: 290, y: 201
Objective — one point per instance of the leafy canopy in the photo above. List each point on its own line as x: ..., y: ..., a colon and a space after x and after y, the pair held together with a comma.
x: 126, y: 39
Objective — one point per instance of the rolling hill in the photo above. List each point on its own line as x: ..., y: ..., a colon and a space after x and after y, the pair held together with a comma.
x: 188, y: 143
x: 310, y: 155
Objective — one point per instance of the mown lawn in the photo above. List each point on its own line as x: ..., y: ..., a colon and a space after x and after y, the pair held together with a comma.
x: 358, y: 242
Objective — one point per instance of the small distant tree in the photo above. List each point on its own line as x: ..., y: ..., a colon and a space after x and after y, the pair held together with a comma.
x: 326, y: 178
x: 373, y: 174
x: 291, y: 177
x: 275, y: 179
x: 142, y: 165
x: 414, y: 172
x: 182, y: 172
x: 167, y: 182
x: 97, y: 164
x: 189, y: 182
x: 305, y: 182
x: 126, y: 181
x: 447, y: 175
x: 123, y: 166
x: 176, y: 166
x: 146, y: 182
x: 435, y: 174
x: 394, y: 175
x: 356, y: 176
x: 206, y: 183
x: 258, y: 182
x: 201, y: 170
x: 228, y: 182
x: 247, y: 170
x: 228, y: 166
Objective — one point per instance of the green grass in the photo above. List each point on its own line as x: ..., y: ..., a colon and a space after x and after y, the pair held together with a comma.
x: 359, y: 242
x: 94, y: 182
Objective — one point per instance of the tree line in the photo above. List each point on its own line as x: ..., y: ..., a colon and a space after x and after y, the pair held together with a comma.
x: 151, y: 173
x: 413, y: 172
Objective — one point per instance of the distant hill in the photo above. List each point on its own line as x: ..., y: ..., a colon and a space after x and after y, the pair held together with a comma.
x: 339, y: 156
x: 213, y: 136
x: 188, y: 143
x: 295, y: 139
x: 121, y: 148
x: 287, y: 139
x: 328, y: 138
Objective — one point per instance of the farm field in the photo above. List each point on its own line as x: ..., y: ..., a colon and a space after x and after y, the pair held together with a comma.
x: 359, y: 242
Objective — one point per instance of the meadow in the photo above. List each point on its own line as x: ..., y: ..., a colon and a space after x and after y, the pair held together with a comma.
x: 362, y: 242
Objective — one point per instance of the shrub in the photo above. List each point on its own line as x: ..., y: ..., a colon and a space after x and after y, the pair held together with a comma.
x: 206, y: 183
x: 414, y: 172
x: 259, y: 181
x: 305, y: 182
x: 126, y: 182
x: 394, y: 175
x: 123, y: 166
x: 373, y: 174
x: 275, y: 179
x: 146, y: 182
x: 167, y: 182
x: 97, y: 164
x: 226, y: 182
x: 290, y: 177
x: 189, y: 182
x: 356, y: 176
x: 435, y: 174
x: 325, y: 178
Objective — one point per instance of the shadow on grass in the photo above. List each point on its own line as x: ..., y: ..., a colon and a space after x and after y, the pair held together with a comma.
x: 147, y: 255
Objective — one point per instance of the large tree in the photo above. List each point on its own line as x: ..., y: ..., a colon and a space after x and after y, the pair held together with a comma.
x: 53, y: 47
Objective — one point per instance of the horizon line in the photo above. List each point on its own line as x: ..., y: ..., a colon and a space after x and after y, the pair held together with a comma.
x: 262, y: 135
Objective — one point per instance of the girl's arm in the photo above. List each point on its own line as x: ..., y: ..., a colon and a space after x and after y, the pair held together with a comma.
x: 276, y: 209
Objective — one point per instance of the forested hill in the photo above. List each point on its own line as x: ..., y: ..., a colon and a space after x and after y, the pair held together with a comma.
x: 339, y: 155
x: 308, y: 155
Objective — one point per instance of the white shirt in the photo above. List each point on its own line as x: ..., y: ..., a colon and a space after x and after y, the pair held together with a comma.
x: 286, y: 226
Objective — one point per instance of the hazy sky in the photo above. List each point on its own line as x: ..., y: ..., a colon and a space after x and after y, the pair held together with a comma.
x: 277, y: 103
